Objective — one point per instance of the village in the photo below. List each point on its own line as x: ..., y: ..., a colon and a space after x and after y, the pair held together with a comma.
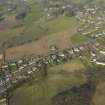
x: 15, y: 72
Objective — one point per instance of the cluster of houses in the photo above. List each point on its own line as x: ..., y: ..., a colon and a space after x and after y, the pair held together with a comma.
x: 58, y: 8
x: 18, y: 9
x: 93, y: 18
x: 98, y: 57
x: 98, y: 34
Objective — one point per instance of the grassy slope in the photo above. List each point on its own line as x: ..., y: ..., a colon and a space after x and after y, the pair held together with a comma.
x: 35, y: 27
x: 42, y: 27
x: 79, y: 39
x: 59, y: 79
x: 10, y: 33
x: 60, y: 39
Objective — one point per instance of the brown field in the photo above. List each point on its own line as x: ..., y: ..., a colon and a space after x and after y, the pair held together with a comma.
x: 41, y: 47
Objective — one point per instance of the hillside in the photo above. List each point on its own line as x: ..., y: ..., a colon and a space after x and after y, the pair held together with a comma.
x: 52, y: 52
x: 25, y: 21
x: 16, y: 32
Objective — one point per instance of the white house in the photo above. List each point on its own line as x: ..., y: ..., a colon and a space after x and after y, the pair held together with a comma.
x: 100, y: 63
x: 102, y: 52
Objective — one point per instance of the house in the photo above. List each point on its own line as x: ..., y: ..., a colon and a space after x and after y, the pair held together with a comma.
x: 93, y: 54
x: 76, y: 50
x: 81, y: 48
x: 93, y: 60
x: 29, y: 72
x: 102, y: 52
x: 3, y: 101
x: 100, y: 63
x: 20, y: 62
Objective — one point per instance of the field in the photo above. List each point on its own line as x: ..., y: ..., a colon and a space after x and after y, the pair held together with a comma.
x: 40, y: 31
x: 59, y: 78
x: 34, y: 26
x: 37, y: 31
x: 13, y: 33
x: 61, y: 39
x: 79, y: 39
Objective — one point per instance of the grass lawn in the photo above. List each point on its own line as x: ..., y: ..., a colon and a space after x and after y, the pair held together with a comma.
x: 59, y: 79
x: 79, y: 39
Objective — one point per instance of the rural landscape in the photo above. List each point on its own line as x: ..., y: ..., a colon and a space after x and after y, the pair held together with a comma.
x: 52, y: 52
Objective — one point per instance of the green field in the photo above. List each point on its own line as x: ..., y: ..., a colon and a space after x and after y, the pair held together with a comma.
x: 59, y: 78
x: 79, y: 39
